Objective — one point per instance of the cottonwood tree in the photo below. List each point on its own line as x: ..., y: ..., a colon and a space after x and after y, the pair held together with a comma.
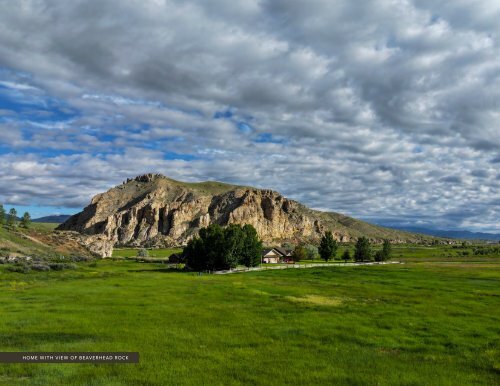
x: 299, y: 253
x: 26, y: 220
x: 251, y: 250
x: 328, y: 247
x: 362, y: 251
x: 312, y: 251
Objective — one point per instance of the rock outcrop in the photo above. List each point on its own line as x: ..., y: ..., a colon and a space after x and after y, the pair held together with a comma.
x: 152, y: 210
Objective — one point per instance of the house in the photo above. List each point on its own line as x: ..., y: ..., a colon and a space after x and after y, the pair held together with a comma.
x: 276, y: 255
x: 271, y: 256
x: 287, y: 254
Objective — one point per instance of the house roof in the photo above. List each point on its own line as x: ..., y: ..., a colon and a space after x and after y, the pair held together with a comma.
x: 268, y: 250
x: 283, y: 251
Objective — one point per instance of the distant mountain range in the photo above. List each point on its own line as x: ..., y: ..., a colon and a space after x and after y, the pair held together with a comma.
x: 56, y: 219
x: 456, y: 234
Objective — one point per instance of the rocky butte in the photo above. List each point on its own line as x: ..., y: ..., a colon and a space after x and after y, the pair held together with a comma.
x: 155, y: 211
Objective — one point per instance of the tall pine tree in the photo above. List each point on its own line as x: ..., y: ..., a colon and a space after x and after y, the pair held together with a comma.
x: 362, y: 250
x: 11, y: 219
x: 2, y: 215
x: 26, y: 220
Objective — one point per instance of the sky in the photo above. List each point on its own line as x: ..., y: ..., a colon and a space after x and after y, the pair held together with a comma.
x: 387, y: 110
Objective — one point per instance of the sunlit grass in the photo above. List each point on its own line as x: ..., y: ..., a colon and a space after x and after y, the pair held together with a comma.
x: 418, y: 324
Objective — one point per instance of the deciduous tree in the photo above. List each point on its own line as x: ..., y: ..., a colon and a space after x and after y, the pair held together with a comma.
x: 251, y: 247
x: 312, y: 251
x: 223, y: 248
x: 299, y: 253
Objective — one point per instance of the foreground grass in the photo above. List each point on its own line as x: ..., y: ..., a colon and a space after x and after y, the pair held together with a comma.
x: 412, y: 324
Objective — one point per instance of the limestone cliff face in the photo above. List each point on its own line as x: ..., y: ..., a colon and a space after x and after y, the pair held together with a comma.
x: 152, y: 210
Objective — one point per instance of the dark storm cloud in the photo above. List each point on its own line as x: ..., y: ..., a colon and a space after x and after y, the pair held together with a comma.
x: 375, y: 108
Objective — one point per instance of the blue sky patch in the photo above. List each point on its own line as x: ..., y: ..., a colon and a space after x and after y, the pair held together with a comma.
x: 223, y: 114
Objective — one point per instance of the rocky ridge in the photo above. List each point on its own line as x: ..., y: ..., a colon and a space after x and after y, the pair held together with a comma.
x: 153, y: 210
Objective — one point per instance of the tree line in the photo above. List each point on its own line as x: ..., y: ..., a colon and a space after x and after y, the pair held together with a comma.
x: 10, y: 219
x: 328, y: 248
x: 220, y: 248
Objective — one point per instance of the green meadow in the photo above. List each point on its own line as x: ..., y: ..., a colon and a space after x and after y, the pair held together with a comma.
x: 158, y: 253
x: 425, y: 323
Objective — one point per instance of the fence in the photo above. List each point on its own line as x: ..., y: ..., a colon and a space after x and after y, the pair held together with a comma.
x: 299, y: 266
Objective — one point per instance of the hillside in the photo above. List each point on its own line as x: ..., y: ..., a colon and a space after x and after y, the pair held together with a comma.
x: 40, y: 240
x: 153, y: 210
x: 453, y: 234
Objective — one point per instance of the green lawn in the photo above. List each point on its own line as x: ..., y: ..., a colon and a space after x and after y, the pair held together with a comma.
x: 132, y: 252
x: 411, y: 324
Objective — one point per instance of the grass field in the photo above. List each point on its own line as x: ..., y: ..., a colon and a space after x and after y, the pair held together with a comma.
x: 132, y: 252
x: 409, y: 324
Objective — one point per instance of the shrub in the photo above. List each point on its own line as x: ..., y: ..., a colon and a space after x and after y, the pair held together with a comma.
x: 61, y: 266
x: 20, y: 268
x: 142, y: 252
x: 40, y: 267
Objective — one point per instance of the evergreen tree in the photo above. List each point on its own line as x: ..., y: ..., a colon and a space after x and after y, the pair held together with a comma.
x: 26, y: 220
x: 223, y: 248
x: 11, y: 219
x: 362, y: 250
x: 386, y: 250
x: 346, y: 256
x: 328, y: 247
x: 2, y: 215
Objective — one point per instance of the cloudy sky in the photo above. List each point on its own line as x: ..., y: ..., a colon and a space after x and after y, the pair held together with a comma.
x: 385, y: 110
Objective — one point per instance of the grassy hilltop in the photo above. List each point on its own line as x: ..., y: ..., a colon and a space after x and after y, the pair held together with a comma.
x: 39, y: 240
